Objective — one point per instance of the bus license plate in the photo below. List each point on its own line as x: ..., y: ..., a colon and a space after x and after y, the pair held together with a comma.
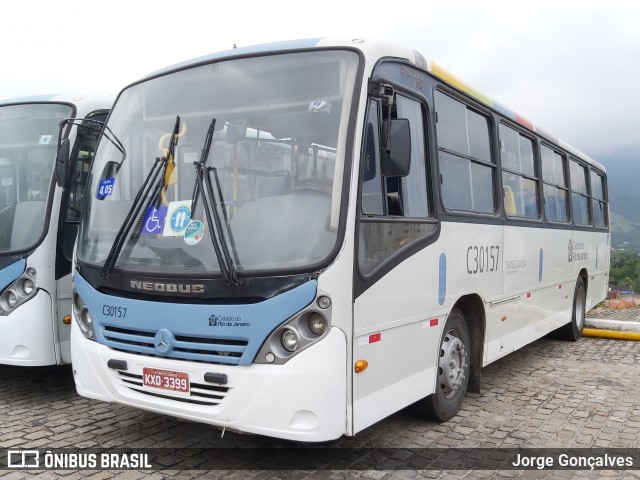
x: 168, y: 380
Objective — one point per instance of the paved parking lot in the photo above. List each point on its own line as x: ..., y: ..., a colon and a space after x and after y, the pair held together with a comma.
x: 551, y: 394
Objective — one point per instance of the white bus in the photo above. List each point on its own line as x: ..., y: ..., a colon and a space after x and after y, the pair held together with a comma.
x: 40, y: 207
x: 306, y: 237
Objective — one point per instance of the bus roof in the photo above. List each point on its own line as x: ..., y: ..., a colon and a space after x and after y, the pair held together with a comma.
x: 374, y: 48
x: 59, y: 97
x: 30, y: 99
x: 84, y: 103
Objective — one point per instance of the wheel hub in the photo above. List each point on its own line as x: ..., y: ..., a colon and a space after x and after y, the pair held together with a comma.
x: 452, y: 364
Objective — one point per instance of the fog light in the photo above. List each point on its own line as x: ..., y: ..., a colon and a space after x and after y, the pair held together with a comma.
x: 317, y: 323
x: 289, y: 340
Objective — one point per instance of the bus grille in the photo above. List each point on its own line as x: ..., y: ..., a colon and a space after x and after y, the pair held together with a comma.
x: 220, y: 351
x: 201, y: 394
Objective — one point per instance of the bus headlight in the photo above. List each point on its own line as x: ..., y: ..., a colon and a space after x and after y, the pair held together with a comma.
x: 317, y: 323
x: 289, y: 340
x: 12, y: 299
x: 83, y: 317
x: 299, y: 332
x: 27, y: 286
x: 18, y: 292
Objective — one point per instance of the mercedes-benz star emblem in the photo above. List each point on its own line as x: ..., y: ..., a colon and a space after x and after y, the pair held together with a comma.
x: 164, y: 341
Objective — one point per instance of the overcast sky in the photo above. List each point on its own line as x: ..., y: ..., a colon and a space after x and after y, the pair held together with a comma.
x: 570, y: 66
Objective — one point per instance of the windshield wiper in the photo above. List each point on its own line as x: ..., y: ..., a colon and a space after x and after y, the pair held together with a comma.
x: 204, y: 188
x: 148, y: 185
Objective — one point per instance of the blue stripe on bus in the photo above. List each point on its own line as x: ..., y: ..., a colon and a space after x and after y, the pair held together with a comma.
x: 10, y: 273
x: 540, y: 266
x: 227, y: 334
x: 442, y: 273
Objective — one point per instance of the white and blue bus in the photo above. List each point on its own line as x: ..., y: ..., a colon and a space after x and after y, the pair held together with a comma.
x: 299, y: 239
x: 40, y: 204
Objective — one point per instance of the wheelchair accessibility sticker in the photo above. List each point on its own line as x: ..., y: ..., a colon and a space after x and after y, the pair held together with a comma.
x: 154, y: 220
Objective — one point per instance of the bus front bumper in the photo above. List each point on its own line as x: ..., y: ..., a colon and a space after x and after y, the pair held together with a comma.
x: 304, y: 399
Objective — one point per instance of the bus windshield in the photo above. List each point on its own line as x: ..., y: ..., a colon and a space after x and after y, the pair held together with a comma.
x: 28, y: 142
x: 276, y: 128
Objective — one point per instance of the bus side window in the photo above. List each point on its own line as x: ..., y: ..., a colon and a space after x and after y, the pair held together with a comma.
x: 79, y: 175
x: 385, y: 198
x: 518, y: 173
x: 554, y: 178
x: 413, y: 187
x: 74, y: 193
x: 599, y: 205
x: 371, y: 179
x: 579, y: 193
x: 464, y: 157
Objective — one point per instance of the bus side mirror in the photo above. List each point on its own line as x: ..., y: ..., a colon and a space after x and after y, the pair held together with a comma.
x: 396, y: 138
x: 110, y: 170
x: 62, y: 162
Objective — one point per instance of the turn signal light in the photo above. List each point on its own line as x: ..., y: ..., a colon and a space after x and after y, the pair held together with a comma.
x: 361, y: 366
x: 67, y: 320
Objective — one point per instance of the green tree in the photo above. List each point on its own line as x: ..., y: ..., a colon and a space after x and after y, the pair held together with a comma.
x: 625, y: 270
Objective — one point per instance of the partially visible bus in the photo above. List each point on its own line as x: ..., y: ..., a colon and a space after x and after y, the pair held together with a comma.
x: 39, y: 218
x: 299, y: 239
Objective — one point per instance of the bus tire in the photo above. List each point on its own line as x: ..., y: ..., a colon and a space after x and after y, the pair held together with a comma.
x: 453, y: 369
x: 572, y: 331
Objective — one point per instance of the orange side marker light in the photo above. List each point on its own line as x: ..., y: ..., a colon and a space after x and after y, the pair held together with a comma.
x: 361, y: 366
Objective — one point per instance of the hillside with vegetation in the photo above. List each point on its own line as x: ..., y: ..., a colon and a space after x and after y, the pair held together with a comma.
x: 625, y: 270
x: 623, y: 174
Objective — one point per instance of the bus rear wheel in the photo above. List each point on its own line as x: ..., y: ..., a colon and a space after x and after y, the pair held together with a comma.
x: 453, y: 369
x: 573, y: 330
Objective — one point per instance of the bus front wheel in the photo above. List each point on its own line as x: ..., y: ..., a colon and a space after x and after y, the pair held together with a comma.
x: 572, y: 331
x: 453, y: 369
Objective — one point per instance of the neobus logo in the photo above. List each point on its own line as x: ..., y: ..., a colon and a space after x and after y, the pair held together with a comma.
x: 167, y: 287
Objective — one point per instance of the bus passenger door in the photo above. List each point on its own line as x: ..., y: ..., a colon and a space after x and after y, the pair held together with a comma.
x: 394, y: 285
x: 70, y: 214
